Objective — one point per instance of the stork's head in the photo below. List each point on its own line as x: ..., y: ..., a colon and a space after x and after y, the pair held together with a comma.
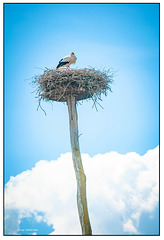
x: 72, y: 54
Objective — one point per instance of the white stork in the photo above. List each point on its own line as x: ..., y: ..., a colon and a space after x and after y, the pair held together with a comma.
x: 67, y: 61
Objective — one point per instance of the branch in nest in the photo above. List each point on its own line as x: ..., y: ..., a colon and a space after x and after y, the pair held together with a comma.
x: 39, y: 106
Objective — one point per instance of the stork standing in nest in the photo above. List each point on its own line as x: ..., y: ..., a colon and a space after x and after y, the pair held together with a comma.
x: 67, y: 61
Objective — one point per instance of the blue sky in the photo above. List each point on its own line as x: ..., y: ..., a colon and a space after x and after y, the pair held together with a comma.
x: 123, y: 37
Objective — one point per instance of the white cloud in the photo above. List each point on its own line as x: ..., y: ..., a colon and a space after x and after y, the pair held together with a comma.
x: 12, y: 221
x: 119, y: 189
x: 129, y: 227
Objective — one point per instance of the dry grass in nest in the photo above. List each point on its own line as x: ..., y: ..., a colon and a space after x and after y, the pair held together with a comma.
x: 57, y: 85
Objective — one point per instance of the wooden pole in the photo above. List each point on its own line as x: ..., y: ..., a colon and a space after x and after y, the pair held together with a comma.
x: 78, y: 167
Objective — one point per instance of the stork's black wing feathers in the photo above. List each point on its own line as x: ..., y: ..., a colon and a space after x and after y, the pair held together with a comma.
x: 60, y: 60
x: 61, y: 64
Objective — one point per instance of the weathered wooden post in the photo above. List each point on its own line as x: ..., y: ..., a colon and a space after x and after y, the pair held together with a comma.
x: 71, y: 86
x: 78, y: 166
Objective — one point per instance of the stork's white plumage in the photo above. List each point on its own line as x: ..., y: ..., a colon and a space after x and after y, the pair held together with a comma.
x: 67, y: 61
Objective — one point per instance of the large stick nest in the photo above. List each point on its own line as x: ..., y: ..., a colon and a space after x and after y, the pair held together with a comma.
x: 57, y: 85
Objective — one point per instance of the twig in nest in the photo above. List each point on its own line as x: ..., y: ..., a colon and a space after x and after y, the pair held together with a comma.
x: 39, y: 106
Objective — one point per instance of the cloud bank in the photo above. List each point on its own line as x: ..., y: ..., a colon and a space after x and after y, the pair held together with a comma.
x: 120, y: 188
